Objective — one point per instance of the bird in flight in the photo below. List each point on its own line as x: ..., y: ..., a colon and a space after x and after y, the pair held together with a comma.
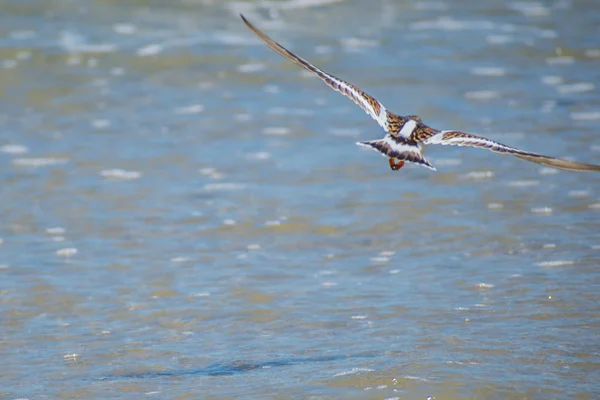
x: 407, y: 136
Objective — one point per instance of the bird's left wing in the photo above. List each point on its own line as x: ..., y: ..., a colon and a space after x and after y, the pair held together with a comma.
x: 456, y: 138
x: 386, y: 119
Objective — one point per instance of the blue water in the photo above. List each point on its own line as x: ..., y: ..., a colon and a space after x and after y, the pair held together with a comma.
x: 184, y: 214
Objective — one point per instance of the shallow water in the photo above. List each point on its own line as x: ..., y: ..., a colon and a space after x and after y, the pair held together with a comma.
x: 184, y: 214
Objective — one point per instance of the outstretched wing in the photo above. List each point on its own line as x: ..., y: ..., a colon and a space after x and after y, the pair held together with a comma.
x: 371, y: 106
x: 456, y: 138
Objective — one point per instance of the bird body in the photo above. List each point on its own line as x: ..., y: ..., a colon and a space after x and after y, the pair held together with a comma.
x: 407, y: 136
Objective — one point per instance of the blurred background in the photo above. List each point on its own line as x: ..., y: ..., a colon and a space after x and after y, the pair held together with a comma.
x: 184, y: 214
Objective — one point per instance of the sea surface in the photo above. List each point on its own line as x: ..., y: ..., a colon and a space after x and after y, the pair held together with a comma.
x: 185, y: 215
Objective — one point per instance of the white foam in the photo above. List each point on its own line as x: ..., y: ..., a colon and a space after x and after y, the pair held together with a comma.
x: 259, y: 156
x: 251, y: 67
x: 73, y: 60
x: 232, y: 38
x: 23, y: 55
x: 380, y: 259
x: 223, y: 186
x: 585, y: 116
x: 548, y: 171
x: 548, y: 34
x: 243, y: 117
x: 55, y: 231
x: 353, y: 43
x: 211, y: 173
x: 73, y: 42
x: 447, y: 161
x: 191, y: 109
x: 483, y: 285
x: 124, y: 29
x: 430, y: 5
x: 593, y: 53
x: 479, y: 175
x: 416, y: 378
x: 524, y: 183
x: 276, y: 130
x: 552, y: 80
x: 71, y: 357
x: 561, y: 60
x: 329, y: 284
x: 294, y: 4
x: 481, y: 94
x: 23, y: 35
x: 530, y: 8
x: 555, y: 263
x: 271, y: 89
x: 66, y: 252
x: 354, y: 371
x: 450, y: 24
x: 350, y: 132
x: 323, y: 49
x: 117, y: 71
x: 9, y: 64
x: 207, y: 170
x: 498, y: 39
x: 13, y: 149
x: 120, y: 174
x: 488, y: 71
x: 579, y: 194
x: 150, y: 50
x: 576, y: 87
x: 100, y: 123
x: 541, y: 210
x: 39, y: 162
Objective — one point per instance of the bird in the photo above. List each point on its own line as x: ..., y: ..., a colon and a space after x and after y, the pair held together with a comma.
x: 407, y: 136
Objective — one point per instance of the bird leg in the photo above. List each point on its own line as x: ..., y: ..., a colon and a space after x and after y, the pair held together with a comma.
x: 399, y: 165
x: 395, y: 166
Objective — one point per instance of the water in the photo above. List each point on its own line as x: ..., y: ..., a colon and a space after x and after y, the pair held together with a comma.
x: 184, y: 214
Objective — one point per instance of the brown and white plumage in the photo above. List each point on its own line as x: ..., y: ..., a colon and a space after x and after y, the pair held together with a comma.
x: 406, y: 136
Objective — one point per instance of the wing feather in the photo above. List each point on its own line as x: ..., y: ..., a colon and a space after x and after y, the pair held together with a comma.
x: 369, y: 104
x: 456, y: 138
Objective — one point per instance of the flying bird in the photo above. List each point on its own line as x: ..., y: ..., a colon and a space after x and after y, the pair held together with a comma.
x: 407, y: 136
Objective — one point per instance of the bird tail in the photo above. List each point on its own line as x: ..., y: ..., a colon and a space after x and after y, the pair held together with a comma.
x: 399, y: 151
